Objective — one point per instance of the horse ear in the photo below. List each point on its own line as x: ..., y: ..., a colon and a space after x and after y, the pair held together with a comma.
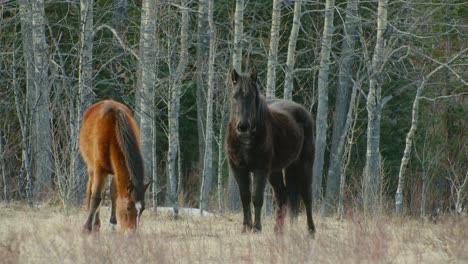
x: 253, y: 75
x: 234, y: 76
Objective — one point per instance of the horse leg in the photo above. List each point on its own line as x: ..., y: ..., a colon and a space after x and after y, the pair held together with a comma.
x: 113, y: 195
x: 243, y: 182
x: 306, y: 181
x: 306, y: 193
x: 260, y: 183
x: 276, y: 181
x: 97, y: 186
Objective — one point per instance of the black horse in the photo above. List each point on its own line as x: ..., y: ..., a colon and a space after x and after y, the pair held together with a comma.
x: 267, y: 137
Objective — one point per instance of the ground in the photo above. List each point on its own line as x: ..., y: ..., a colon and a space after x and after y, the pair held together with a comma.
x: 48, y: 234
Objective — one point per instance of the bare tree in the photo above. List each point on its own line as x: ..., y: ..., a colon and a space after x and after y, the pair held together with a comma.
x: 291, y: 59
x: 273, y: 50
x: 174, y: 108
x: 372, y: 177
x: 202, y: 69
x: 412, y: 131
x: 207, y: 175
x: 322, y: 104
x: 343, y: 115
x: 85, y: 95
x: 41, y: 132
x: 148, y: 82
x: 233, y: 194
x: 6, y: 185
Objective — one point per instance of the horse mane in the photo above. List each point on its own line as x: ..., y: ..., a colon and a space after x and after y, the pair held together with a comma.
x: 130, y: 148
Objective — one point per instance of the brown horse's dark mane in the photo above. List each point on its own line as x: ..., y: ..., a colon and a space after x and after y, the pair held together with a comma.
x: 128, y: 143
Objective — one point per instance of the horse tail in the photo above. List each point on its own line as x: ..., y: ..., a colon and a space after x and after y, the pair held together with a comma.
x: 128, y: 143
x: 293, y: 188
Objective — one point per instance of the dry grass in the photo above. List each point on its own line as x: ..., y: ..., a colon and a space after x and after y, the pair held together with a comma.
x: 53, y: 235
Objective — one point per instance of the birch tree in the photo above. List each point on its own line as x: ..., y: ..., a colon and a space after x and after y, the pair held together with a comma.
x: 202, y: 69
x: 6, y: 186
x: 41, y: 132
x: 273, y: 50
x: 343, y: 99
x: 291, y: 57
x: 413, y: 128
x: 233, y: 193
x: 322, y: 104
x: 148, y: 67
x: 372, y: 178
x: 119, y: 22
x: 84, y: 98
x: 207, y: 175
x: 174, y: 108
x: 25, y: 113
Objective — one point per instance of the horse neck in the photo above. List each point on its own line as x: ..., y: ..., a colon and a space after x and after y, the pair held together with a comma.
x: 263, y: 114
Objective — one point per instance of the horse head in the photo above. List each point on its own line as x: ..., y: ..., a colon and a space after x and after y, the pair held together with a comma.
x: 245, y: 98
x: 130, y: 208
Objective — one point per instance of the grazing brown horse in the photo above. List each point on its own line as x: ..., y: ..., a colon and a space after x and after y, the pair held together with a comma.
x: 267, y: 137
x: 109, y: 144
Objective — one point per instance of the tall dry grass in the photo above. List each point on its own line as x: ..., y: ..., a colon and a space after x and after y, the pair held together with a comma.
x: 53, y: 235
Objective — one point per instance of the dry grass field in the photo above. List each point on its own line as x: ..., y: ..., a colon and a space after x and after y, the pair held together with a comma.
x: 53, y: 235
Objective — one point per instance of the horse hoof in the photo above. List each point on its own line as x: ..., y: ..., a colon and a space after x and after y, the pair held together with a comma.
x: 312, y: 233
x: 86, y: 230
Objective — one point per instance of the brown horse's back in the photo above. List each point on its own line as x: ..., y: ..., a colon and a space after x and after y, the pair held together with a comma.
x: 98, y: 141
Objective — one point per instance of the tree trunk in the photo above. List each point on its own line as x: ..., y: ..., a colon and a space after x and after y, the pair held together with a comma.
x: 119, y: 22
x: 273, y: 51
x: 233, y: 194
x: 207, y: 175
x: 372, y: 178
x: 148, y: 67
x: 291, y: 59
x: 322, y: 104
x: 238, y: 35
x: 6, y: 185
x: 25, y: 118
x: 202, y: 69
x: 85, y: 96
x: 174, y: 109
x: 343, y: 100
x: 42, y: 155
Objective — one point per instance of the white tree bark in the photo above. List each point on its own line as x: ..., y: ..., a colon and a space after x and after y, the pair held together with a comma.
x: 410, y: 136
x: 273, y: 51
x: 84, y: 96
x: 322, y: 104
x: 148, y: 82
x: 291, y: 59
x: 42, y: 154
x: 25, y: 117
x: 232, y: 191
x: 207, y: 175
x: 6, y: 185
x: 342, y: 107
x: 174, y: 108
x: 238, y: 35
x: 202, y: 69
x: 372, y: 178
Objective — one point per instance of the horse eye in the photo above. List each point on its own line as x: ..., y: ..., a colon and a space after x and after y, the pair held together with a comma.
x: 128, y: 208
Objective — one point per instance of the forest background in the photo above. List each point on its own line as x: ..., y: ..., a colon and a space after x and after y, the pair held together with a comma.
x: 385, y: 81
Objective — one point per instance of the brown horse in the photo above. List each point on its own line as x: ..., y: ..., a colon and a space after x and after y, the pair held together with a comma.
x: 267, y: 137
x: 109, y: 144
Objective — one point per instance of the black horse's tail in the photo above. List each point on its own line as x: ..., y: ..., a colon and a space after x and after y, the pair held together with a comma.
x: 293, y: 188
